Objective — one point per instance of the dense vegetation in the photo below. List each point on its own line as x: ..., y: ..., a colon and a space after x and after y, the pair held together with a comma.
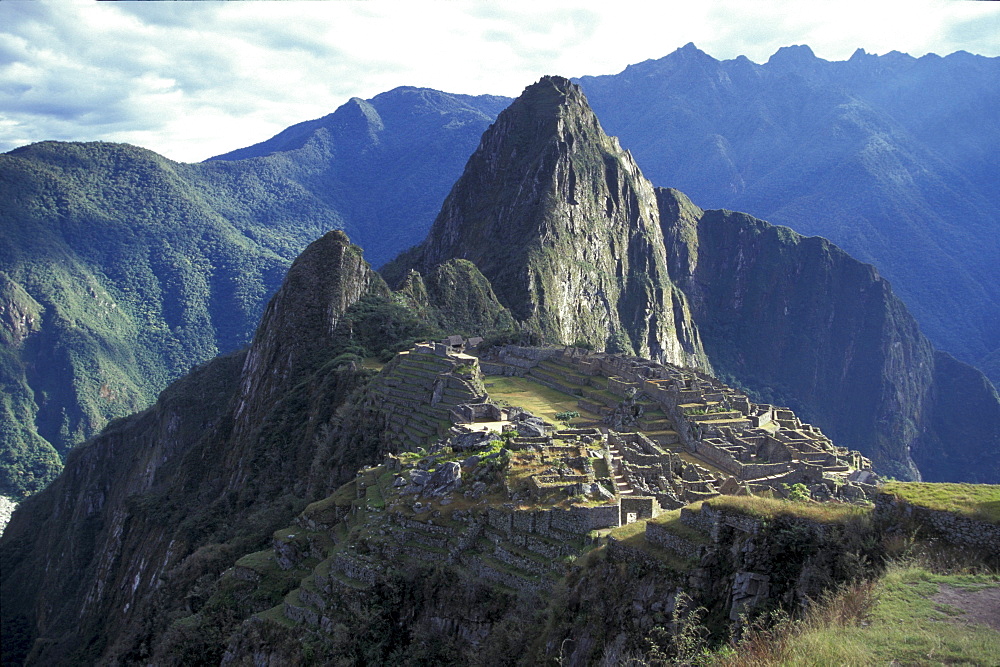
x: 132, y: 268
x: 123, y: 279
x: 120, y: 270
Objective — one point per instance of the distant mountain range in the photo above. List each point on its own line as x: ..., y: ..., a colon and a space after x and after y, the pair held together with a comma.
x: 119, y: 270
x: 893, y: 158
x: 172, y: 538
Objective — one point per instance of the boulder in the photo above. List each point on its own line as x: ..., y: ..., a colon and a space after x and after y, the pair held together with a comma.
x: 471, y: 441
x: 446, y: 478
x: 863, y: 477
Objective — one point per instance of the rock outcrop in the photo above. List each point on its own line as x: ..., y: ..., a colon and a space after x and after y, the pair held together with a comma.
x: 327, y: 278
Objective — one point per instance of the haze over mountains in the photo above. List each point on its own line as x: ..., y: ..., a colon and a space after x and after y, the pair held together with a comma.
x: 120, y: 270
x: 891, y: 157
x: 122, y: 558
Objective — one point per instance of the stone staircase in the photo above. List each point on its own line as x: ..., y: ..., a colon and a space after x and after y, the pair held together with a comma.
x: 622, y: 486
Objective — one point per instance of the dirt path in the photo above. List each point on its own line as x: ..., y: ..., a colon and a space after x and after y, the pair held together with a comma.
x: 981, y: 606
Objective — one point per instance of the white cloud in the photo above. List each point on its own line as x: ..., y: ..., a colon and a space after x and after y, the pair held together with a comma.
x: 190, y: 80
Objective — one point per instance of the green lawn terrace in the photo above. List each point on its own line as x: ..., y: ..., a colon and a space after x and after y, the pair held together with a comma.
x: 723, y: 438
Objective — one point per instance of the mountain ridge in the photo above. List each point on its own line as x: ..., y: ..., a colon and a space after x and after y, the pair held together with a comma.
x: 559, y: 219
x: 49, y: 407
x: 144, y: 548
x: 788, y: 139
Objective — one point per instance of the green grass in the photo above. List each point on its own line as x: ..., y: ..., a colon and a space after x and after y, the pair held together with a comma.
x: 978, y: 501
x: 770, y: 508
x: 623, y: 533
x: 896, y: 621
x: 537, y: 399
x: 672, y: 522
x: 276, y: 614
x: 634, y: 535
x: 259, y: 561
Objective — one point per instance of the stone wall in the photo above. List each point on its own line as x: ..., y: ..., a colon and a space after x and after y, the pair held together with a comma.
x: 704, y: 523
x: 620, y: 386
x: 644, y: 507
x: 758, y: 470
x: 554, y: 523
x: 489, y: 368
x: 720, y: 458
x: 954, y: 528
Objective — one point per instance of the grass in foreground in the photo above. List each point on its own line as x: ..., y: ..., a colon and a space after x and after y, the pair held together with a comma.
x: 890, y: 621
x: 978, y: 501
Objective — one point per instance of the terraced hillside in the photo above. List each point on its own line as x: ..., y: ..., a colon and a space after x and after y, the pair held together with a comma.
x: 415, y: 392
x: 482, y: 576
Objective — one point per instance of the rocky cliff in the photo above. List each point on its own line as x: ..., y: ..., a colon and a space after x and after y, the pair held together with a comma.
x: 581, y: 248
x: 559, y: 219
x: 135, y: 553
x: 803, y: 324
x: 855, y: 151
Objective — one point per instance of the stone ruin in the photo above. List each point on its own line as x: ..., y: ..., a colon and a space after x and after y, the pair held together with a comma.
x: 679, y: 435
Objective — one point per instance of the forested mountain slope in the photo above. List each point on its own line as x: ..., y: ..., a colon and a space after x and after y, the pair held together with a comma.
x: 120, y: 270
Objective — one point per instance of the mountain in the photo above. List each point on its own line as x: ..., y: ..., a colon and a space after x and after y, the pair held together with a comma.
x: 382, y: 165
x: 799, y: 322
x: 98, y: 315
x: 859, y: 152
x: 559, y: 219
x: 228, y: 454
x: 554, y: 213
x: 196, y: 529
x: 118, y: 276
x: 120, y: 270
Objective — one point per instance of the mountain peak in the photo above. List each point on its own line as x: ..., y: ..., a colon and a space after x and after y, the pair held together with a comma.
x: 551, y: 94
x: 322, y: 283
x: 690, y: 49
x: 798, y: 55
x: 559, y: 219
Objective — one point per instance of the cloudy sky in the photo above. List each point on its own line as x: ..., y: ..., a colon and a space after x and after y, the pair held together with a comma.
x: 195, y: 79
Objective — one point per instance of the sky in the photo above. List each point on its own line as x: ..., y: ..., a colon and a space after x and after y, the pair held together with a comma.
x: 190, y: 80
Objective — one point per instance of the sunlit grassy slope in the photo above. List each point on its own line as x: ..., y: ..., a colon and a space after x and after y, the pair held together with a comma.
x: 981, y: 501
x: 537, y: 399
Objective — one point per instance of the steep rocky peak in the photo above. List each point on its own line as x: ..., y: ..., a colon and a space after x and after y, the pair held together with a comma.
x: 323, y: 282
x: 561, y: 222
x: 542, y: 152
x: 552, y: 110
